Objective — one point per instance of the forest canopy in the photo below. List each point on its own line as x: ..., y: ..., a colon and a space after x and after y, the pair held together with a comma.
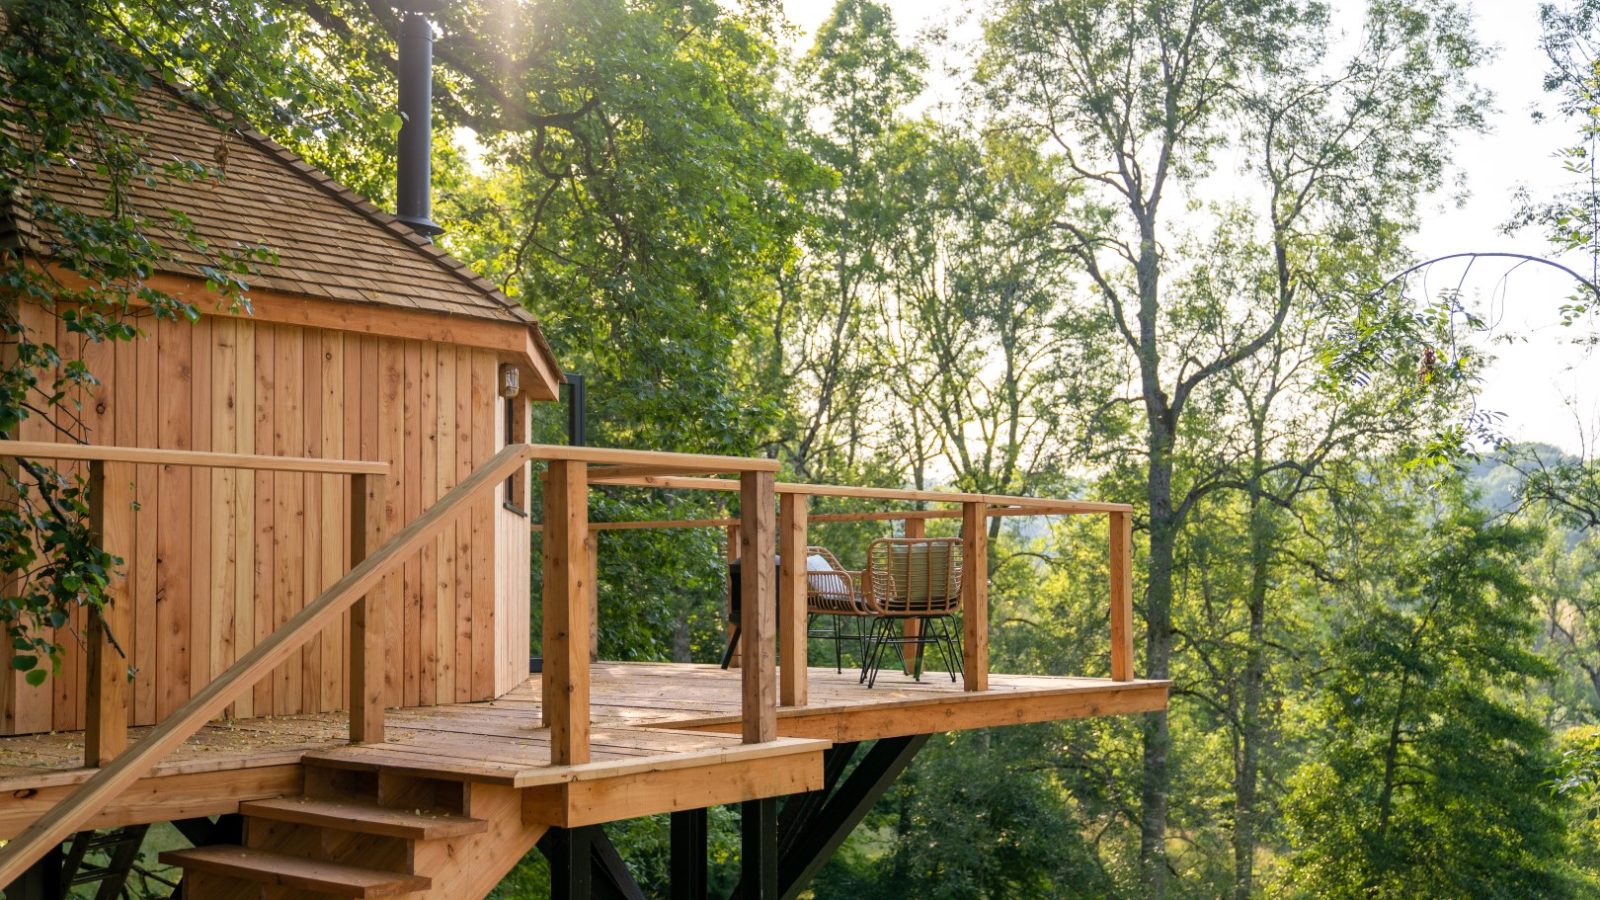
x: 1138, y: 251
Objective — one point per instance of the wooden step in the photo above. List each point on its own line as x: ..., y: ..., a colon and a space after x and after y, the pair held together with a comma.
x: 263, y: 867
x: 365, y: 818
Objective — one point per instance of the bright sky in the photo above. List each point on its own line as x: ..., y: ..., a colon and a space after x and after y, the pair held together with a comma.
x: 1546, y: 388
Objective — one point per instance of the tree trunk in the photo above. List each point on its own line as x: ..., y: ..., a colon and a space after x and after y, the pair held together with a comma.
x: 1247, y: 767
x: 1158, y: 652
x: 1161, y: 436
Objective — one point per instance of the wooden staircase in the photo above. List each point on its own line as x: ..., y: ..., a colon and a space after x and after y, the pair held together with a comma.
x: 366, y: 833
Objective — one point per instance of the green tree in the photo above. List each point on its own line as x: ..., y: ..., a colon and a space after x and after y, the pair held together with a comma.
x: 74, y: 76
x: 1141, y: 100
x: 852, y: 84
x: 969, y: 327
x: 1427, y: 778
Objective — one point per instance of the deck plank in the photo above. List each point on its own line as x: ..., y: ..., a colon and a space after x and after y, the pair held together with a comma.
x: 646, y: 717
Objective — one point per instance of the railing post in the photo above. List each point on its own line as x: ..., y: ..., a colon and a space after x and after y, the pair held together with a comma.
x: 975, y: 596
x: 757, y: 613
x: 792, y: 527
x: 366, y: 651
x: 565, y: 679
x: 106, y: 700
x: 911, y: 629
x: 1121, y: 596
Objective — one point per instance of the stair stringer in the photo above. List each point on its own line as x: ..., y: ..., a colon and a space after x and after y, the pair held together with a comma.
x: 468, y: 867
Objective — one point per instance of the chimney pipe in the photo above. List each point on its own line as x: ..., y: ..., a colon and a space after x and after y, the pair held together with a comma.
x: 413, y: 203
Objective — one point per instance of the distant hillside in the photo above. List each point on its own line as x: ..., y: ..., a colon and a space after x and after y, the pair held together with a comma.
x: 1497, y: 481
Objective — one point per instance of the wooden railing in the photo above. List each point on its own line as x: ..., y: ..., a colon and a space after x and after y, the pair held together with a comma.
x: 111, y: 478
x: 349, y: 592
x: 973, y: 509
x: 569, y: 567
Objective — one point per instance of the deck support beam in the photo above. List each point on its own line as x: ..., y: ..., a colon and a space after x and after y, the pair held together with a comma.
x: 758, y: 614
x: 106, y: 695
x: 689, y: 848
x: 813, y: 839
x: 792, y: 637
x: 571, y: 872
x: 41, y: 881
x: 566, y: 611
x: 814, y: 825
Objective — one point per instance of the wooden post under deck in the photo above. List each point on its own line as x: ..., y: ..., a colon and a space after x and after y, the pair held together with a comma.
x: 106, y: 698
x: 792, y: 527
x: 567, y: 570
x: 366, y: 650
x: 1121, y: 596
x: 911, y: 629
x: 758, y: 617
x: 975, y: 596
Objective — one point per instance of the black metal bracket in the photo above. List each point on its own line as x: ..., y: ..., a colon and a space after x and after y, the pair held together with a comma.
x: 813, y: 825
x: 585, y: 865
x: 758, y: 849
x: 689, y: 847
x: 783, y: 846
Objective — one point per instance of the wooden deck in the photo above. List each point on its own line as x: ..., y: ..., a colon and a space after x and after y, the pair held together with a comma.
x: 650, y: 721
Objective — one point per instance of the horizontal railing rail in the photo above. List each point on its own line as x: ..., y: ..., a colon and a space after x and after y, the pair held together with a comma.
x: 911, y: 495
x: 349, y: 592
x: 891, y: 515
x: 195, y: 458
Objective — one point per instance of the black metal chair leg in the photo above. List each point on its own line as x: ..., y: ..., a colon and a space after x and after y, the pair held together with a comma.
x: 876, y: 647
x: 922, y: 641
x: 861, y: 636
x: 871, y: 650
x: 838, y: 652
x: 951, y: 641
x: 733, y: 642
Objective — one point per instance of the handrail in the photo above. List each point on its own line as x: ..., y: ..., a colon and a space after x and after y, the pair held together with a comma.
x: 75, y: 811
x: 886, y: 515
x: 649, y: 460
x: 197, y: 458
x: 1039, y: 504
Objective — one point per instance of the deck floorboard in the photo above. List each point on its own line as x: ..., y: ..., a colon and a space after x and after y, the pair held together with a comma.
x: 643, y: 714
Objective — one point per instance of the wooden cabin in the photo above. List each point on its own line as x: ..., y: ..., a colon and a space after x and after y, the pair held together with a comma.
x: 364, y: 341
x: 322, y: 501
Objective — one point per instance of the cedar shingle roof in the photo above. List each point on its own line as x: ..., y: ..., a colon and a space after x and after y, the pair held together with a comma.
x: 330, y: 242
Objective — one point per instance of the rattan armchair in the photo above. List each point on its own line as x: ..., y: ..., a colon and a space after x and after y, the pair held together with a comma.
x: 905, y: 579
x: 834, y: 591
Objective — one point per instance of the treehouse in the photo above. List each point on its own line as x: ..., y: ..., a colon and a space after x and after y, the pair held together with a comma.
x: 316, y: 658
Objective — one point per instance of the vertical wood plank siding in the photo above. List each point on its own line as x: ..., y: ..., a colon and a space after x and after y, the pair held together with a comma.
x: 222, y: 557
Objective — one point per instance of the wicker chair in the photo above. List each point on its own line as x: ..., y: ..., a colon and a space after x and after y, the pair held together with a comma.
x: 832, y: 591
x: 905, y: 578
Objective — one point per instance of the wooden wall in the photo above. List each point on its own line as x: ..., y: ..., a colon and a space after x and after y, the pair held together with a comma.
x: 224, y: 557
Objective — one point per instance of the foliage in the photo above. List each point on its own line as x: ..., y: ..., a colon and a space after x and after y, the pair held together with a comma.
x: 73, y: 83
x: 1429, y: 778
